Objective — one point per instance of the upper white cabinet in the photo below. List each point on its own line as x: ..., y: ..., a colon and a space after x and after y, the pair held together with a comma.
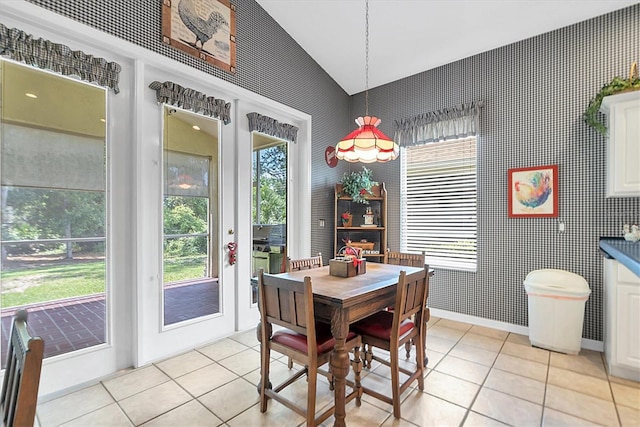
x: 623, y: 144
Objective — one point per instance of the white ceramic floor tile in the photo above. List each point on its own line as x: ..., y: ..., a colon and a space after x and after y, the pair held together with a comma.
x: 191, y: 414
x: 73, y: 405
x: 553, y: 418
x: 243, y: 362
x: 482, y: 341
x: 507, y: 409
x: 489, y: 332
x: 463, y: 369
x: 231, y: 399
x: 587, y: 362
x: 629, y: 417
x: 110, y: 415
x: 155, y: 401
x: 516, y: 385
x: 478, y: 420
x: 626, y: 396
x: 459, y: 367
x: 135, y: 381
x: 451, y: 389
x: 438, y: 344
x: 453, y: 324
x: 586, y: 384
x: 364, y: 416
x: 222, y: 349
x: 526, y: 368
x: 183, y: 364
x: 526, y: 352
x: 434, y: 358
x: 581, y: 405
x: 422, y: 409
x: 473, y: 354
x: 519, y: 339
x: 205, y: 379
x: 248, y: 338
x: 444, y: 333
x: 276, y: 415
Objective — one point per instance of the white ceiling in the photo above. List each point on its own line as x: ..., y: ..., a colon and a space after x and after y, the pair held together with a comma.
x: 410, y: 36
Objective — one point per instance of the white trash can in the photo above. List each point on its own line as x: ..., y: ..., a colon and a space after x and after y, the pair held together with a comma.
x: 556, y: 309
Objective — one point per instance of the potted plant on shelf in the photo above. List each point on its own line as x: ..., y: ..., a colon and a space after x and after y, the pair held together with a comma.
x: 616, y: 85
x: 357, y: 185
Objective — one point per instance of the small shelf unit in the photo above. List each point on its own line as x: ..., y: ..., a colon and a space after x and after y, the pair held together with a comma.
x: 360, y: 235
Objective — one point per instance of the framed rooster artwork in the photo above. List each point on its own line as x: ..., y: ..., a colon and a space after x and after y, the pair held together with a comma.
x: 533, y: 192
x: 205, y: 29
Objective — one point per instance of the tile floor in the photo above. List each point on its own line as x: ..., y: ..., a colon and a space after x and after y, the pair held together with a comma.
x: 476, y: 377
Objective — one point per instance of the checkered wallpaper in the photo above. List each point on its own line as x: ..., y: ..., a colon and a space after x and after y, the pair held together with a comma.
x: 534, y: 90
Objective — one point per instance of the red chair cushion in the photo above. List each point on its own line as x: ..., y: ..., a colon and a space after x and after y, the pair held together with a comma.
x: 296, y: 341
x: 379, y: 325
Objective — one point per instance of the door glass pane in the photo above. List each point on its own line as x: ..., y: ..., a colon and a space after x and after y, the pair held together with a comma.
x: 191, y: 285
x: 53, y: 176
x: 269, y: 207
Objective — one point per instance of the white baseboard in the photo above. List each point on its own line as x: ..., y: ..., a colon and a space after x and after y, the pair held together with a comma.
x: 503, y: 326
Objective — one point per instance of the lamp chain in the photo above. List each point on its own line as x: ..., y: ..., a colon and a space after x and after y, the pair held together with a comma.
x: 366, y: 60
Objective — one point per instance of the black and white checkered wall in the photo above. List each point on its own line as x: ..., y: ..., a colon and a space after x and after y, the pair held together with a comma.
x: 535, y: 92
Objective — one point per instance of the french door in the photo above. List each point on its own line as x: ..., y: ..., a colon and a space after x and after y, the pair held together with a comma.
x: 185, y: 204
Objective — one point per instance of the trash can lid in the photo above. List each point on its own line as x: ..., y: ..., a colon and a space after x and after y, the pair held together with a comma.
x: 556, y: 282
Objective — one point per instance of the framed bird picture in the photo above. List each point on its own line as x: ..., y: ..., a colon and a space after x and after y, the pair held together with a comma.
x: 533, y: 192
x: 205, y: 29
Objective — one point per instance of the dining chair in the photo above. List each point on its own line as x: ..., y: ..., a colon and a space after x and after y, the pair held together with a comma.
x: 289, y: 303
x: 305, y: 263
x: 22, y: 375
x: 389, y: 330
x: 411, y: 260
x: 404, y: 258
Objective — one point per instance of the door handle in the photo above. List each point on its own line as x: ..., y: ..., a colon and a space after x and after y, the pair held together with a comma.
x: 232, y: 246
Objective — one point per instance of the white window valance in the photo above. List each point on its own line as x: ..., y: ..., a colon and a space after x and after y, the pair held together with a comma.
x: 450, y: 123
x: 270, y: 126
x: 22, y: 47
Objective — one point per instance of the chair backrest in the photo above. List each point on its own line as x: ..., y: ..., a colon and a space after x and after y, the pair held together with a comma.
x: 22, y: 375
x: 405, y: 258
x: 411, y: 297
x: 288, y: 303
x: 305, y: 263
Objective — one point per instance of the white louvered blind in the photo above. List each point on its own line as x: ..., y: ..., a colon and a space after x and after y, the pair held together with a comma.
x: 438, y: 194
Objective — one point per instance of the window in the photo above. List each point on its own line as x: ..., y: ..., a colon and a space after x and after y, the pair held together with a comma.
x: 438, y: 213
x: 191, y: 253
x: 54, y: 205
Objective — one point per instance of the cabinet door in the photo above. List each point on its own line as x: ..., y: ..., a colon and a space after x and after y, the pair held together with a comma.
x: 623, y: 152
x: 628, y: 322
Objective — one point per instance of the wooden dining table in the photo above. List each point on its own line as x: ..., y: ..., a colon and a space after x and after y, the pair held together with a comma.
x: 341, y: 301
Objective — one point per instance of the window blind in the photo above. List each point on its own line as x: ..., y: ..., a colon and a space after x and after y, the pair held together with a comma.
x: 438, y: 209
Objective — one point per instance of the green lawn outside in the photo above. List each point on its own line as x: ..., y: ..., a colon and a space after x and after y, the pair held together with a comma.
x: 72, y: 279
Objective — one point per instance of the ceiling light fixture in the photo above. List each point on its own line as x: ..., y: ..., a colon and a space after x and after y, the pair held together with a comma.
x: 31, y: 95
x: 196, y: 127
x: 367, y: 144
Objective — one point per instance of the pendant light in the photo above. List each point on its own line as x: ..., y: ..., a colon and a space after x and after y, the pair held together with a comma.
x: 367, y: 144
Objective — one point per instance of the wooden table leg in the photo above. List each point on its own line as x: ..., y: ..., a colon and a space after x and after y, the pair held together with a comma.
x: 339, y: 365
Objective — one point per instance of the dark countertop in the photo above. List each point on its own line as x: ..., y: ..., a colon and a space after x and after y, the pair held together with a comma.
x: 628, y: 253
